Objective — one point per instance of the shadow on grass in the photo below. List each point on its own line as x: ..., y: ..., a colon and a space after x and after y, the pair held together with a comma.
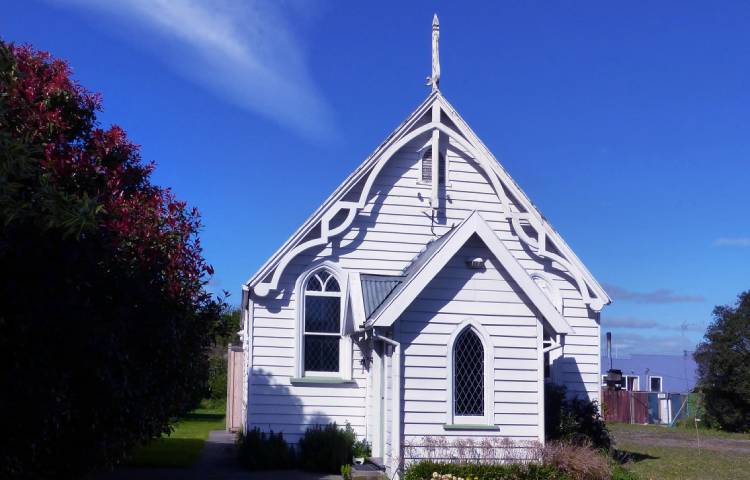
x: 204, y: 417
x: 624, y: 456
x: 168, y: 452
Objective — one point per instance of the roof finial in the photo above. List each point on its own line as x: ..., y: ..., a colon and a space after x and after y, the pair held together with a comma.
x: 434, y: 79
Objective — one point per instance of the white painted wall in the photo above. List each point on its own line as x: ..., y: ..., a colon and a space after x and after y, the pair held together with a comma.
x: 274, y: 403
x: 384, y: 238
x: 494, y: 300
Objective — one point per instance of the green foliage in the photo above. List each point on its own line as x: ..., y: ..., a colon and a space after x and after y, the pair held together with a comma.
x: 217, y: 376
x: 574, y: 419
x: 424, y: 471
x: 258, y: 450
x: 225, y: 333
x: 362, y: 449
x: 346, y: 472
x: 105, y: 323
x: 325, y: 449
x: 723, y: 359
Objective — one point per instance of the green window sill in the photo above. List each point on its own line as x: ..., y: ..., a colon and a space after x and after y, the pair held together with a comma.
x: 320, y: 381
x: 470, y: 426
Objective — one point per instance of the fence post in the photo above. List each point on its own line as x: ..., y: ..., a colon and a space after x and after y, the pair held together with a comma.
x: 631, y: 406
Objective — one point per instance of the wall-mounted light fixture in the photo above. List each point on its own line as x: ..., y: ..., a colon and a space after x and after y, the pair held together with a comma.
x: 475, y: 263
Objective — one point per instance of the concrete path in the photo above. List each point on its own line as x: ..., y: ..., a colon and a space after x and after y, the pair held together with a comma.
x: 218, y: 461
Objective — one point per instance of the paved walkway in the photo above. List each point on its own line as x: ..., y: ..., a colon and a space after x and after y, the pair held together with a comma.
x: 218, y: 461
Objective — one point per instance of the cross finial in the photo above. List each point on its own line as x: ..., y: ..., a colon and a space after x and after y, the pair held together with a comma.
x: 434, y: 79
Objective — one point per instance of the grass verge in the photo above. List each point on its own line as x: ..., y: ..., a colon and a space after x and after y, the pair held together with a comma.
x: 182, y: 447
x: 664, y: 453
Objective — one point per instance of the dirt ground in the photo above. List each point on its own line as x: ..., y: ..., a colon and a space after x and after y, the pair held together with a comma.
x: 681, y: 438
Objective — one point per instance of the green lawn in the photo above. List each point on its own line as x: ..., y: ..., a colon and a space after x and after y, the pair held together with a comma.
x: 672, y: 453
x: 183, y: 446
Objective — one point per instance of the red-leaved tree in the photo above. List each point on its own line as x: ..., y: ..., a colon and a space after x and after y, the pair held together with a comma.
x: 104, y: 316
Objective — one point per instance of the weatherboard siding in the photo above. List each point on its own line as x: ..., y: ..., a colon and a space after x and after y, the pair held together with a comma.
x: 425, y: 328
x: 395, y: 225
x: 274, y: 402
x: 384, y: 238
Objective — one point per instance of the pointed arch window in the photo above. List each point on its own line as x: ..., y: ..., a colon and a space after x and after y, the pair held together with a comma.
x: 322, y: 323
x: 427, y: 165
x: 468, y: 375
x: 470, y: 378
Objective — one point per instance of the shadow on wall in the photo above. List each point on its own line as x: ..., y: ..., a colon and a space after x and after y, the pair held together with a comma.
x: 274, y: 407
x: 362, y: 224
x: 566, y: 372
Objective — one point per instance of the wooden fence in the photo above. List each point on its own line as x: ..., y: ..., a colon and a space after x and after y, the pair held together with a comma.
x: 235, y: 362
x: 625, y: 406
x: 644, y: 407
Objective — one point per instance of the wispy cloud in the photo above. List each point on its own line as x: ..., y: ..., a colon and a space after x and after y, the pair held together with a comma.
x: 732, y: 242
x: 245, y: 51
x: 629, y: 343
x: 635, y: 323
x: 661, y: 295
x: 628, y: 322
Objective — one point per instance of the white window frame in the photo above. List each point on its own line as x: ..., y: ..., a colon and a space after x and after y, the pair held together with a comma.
x: 636, y: 384
x: 604, y: 380
x: 488, y: 419
x: 345, y: 343
x: 661, y: 383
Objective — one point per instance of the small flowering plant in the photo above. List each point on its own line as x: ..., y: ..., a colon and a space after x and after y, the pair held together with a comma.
x: 448, y: 476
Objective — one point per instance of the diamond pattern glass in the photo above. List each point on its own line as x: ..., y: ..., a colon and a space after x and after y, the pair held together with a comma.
x: 468, y: 372
x: 322, y: 323
x: 332, y: 285
x: 322, y: 314
x: 321, y: 353
x: 313, y: 285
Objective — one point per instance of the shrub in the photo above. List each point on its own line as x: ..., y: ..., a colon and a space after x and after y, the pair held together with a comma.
x: 105, y: 322
x: 724, y: 367
x: 325, y: 449
x: 346, y: 472
x: 426, y: 469
x: 575, y: 420
x: 217, y: 376
x: 258, y: 450
x: 579, y: 461
x: 362, y: 449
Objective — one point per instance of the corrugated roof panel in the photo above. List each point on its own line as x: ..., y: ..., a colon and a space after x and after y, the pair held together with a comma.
x: 375, y: 289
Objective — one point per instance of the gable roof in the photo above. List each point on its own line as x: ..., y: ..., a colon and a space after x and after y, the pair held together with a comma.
x: 544, y: 243
x: 432, y: 260
x: 346, y: 186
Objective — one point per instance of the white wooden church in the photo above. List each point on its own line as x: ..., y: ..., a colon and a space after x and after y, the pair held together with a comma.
x: 427, y: 296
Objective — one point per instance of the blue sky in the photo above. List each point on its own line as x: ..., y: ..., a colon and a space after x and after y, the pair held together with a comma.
x: 627, y: 124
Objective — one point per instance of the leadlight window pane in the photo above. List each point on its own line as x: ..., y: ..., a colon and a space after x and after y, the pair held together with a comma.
x: 322, y: 314
x: 332, y: 285
x: 468, y: 368
x: 321, y: 353
x: 313, y: 285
